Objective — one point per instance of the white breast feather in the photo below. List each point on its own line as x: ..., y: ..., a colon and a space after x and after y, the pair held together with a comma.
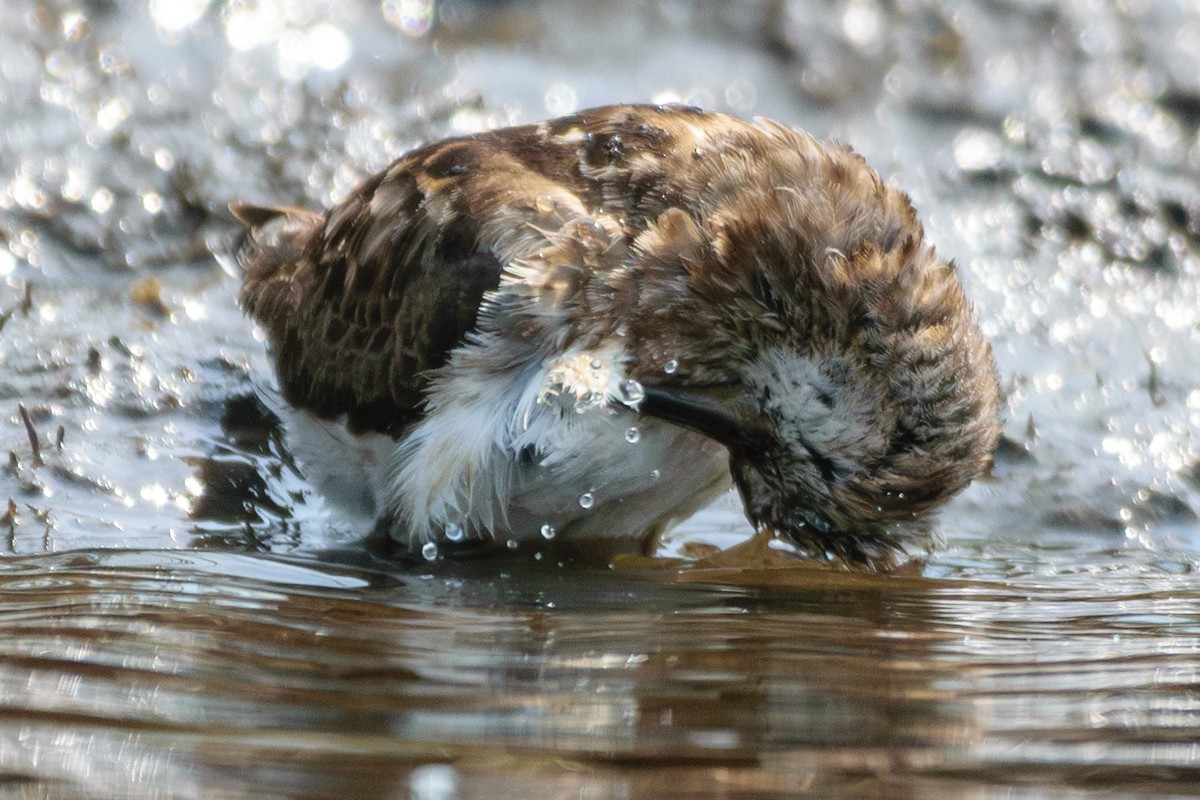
x: 458, y: 466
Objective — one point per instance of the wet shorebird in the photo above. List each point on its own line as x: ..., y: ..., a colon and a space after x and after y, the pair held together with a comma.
x: 584, y: 329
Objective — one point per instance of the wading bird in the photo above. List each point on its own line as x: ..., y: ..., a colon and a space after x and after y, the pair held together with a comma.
x: 585, y: 329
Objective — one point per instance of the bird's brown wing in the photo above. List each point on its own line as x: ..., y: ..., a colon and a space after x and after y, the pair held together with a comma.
x: 360, y: 303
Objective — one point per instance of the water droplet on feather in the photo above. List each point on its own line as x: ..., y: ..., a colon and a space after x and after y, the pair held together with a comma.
x: 631, y: 392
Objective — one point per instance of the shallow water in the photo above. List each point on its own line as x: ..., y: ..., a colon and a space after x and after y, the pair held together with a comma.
x: 169, y: 629
x: 147, y: 674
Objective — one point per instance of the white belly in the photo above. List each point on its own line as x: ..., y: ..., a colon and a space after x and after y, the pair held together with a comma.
x: 349, y: 470
x: 608, y: 488
x: 458, y: 480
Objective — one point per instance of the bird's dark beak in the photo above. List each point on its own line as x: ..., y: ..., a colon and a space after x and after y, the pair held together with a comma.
x: 715, y: 411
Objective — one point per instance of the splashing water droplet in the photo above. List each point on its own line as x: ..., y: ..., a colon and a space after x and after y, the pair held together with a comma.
x: 430, y: 551
x: 656, y: 475
x: 633, y: 435
x: 597, y: 365
x: 548, y: 531
x: 631, y: 392
x: 587, y: 500
x: 588, y: 401
x: 453, y: 531
x: 671, y: 366
x: 511, y: 544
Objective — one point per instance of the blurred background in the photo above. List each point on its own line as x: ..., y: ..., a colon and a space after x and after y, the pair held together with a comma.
x: 1053, y: 151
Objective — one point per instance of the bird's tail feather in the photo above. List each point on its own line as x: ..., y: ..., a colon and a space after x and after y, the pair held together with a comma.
x: 273, y: 239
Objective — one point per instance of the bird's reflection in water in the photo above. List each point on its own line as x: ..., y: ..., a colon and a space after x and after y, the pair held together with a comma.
x: 181, y: 673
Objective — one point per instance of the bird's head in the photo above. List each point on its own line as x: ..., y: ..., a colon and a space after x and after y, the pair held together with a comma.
x: 856, y: 413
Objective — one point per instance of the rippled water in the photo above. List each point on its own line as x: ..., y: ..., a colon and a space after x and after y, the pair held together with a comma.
x: 215, y: 674
x: 174, y: 622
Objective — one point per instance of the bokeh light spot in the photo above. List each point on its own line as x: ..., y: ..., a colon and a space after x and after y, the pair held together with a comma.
x: 176, y: 15
x: 411, y: 17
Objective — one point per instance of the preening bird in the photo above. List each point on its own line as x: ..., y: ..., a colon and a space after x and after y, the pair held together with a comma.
x: 585, y: 329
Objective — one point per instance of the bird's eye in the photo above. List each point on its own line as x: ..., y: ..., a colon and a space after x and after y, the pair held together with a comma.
x: 823, y: 463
